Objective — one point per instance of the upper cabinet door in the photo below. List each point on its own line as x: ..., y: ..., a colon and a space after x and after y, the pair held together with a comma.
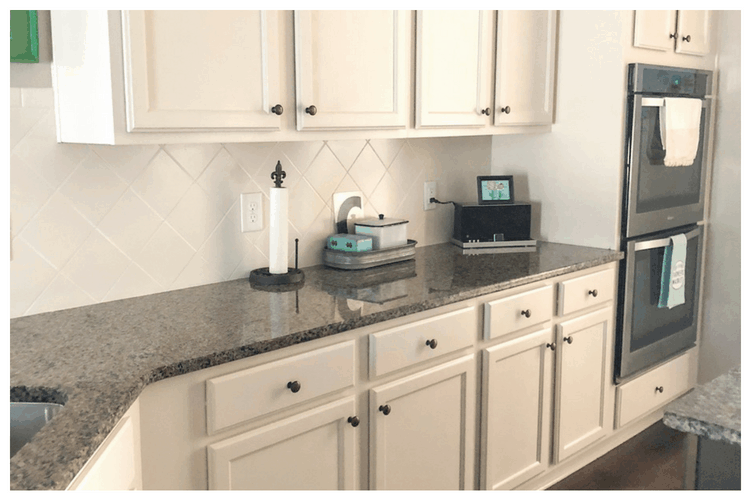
x: 454, y: 68
x: 653, y: 29
x: 194, y: 70
x: 352, y: 69
x: 693, y: 32
x: 524, y: 82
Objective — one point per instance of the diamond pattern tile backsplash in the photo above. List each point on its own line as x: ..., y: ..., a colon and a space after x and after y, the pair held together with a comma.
x: 94, y: 223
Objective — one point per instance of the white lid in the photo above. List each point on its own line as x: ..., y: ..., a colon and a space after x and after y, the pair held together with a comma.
x: 381, y: 221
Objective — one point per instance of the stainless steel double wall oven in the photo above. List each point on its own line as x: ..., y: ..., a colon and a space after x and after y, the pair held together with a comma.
x: 658, y: 202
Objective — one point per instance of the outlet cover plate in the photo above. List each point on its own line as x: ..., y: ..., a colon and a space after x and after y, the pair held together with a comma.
x: 430, y: 191
x: 251, y: 212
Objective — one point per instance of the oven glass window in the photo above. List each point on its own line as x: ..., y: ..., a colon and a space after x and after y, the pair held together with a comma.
x: 661, y: 187
x: 650, y: 323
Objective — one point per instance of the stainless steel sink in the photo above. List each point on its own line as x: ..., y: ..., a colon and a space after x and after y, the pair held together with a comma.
x: 26, y: 419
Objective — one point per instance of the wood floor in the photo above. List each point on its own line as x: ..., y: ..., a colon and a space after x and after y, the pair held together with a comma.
x: 652, y: 460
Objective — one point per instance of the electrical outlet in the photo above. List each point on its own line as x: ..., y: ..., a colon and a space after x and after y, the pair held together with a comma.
x: 430, y: 191
x: 251, y: 209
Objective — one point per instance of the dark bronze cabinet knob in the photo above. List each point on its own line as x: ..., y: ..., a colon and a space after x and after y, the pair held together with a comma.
x: 312, y: 110
x: 294, y: 386
x: 593, y: 292
x: 506, y: 109
x: 432, y: 343
x: 526, y: 313
x: 686, y: 39
x: 386, y: 409
x: 486, y: 111
x: 354, y: 421
x: 673, y: 36
x: 277, y: 110
x: 660, y: 388
x: 569, y: 340
x: 552, y: 345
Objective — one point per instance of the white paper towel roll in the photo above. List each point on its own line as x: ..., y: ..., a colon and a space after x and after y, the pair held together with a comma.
x: 279, y: 231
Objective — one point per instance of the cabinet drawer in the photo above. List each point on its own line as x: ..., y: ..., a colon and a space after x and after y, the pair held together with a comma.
x: 250, y: 393
x: 407, y: 345
x: 590, y: 290
x: 516, y: 312
x: 640, y: 396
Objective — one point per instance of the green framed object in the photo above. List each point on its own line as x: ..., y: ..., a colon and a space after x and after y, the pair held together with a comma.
x: 24, y: 36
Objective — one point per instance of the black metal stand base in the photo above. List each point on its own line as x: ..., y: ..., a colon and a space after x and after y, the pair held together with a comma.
x: 262, y: 279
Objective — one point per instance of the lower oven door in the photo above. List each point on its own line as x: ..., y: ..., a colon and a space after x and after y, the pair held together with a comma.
x: 646, y: 333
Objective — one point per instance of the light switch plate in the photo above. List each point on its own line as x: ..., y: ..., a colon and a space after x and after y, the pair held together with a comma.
x: 251, y: 210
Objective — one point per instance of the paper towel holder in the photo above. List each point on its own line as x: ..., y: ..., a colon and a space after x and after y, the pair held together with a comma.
x: 294, y: 279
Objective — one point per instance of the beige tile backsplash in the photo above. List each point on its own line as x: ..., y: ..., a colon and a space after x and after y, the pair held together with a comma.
x: 99, y: 223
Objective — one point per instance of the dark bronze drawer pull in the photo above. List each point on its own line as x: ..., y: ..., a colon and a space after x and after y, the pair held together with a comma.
x: 593, y: 292
x: 660, y: 389
x: 312, y: 110
x: 569, y: 340
x: 552, y: 345
x: 386, y: 409
x: 432, y: 343
x: 353, y: 420
x: 526, y: 313
x: 294, y: 386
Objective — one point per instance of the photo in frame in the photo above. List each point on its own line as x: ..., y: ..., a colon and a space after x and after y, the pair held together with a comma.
x: 494, y: 189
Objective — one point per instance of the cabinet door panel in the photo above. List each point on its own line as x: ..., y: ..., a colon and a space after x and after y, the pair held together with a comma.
x: 454, y: 67
x: 584, y: 399
x: 697, y: 25
x: 517, y: 392
x: 311, y: 451
x: 525, y: 67
x: 426, y: 442
x: 196, y: 70
x: 652, y: 29
x: 353, y: 66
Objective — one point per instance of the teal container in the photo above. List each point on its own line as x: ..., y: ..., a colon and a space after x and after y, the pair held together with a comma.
x: 350, y: 242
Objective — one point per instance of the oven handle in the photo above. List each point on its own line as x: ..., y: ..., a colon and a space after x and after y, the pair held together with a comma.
x: 658, y: 102
x: 648, y: 245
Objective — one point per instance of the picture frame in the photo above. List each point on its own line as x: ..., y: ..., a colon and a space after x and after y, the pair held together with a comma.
x: 495, y: 189
x: 24, y: 36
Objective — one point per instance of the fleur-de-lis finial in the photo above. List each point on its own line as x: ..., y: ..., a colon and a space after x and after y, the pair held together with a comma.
x: 278, y: 174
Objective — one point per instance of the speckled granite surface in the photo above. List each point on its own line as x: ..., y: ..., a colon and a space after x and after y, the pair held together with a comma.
x: 97, y: 359
x: 710, y: 410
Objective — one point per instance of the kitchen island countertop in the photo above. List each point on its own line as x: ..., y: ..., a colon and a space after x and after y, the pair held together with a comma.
x: 97, y: 359
x: 711, y: 410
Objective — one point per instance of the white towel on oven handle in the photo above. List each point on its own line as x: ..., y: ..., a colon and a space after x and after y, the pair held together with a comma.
x: 680, y: 123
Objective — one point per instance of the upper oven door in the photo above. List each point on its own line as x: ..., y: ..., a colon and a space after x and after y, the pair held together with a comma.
x: 659, y: 197
x: 646, y: 333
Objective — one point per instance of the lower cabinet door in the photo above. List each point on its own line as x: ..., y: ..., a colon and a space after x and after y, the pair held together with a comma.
x: 516, y: 406
x: 584, y: 399
x: 422, y: 430
x: 314, y: 450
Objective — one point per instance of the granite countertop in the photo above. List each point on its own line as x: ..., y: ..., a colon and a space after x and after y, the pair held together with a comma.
x: 710, y: 410
x: 97, y: 359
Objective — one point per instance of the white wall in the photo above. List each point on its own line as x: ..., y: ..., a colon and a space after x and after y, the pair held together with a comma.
x: 720, y: 340
x: 98, y: 223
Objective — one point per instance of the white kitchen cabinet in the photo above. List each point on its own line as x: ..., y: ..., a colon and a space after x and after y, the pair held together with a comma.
x: 681, y: 31
x: 201, y: 70
x: 116, y: 464
x: 516, y: 410
x: 454, y: 68
x: 314, y: 450
x: 422, y: 429
x: 525, y: 67
x: 352, y: 69
x: 584, y: 391
x: 693, y: 32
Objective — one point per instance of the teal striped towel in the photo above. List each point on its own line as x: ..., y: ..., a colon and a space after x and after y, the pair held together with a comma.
x: 673, y: 273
